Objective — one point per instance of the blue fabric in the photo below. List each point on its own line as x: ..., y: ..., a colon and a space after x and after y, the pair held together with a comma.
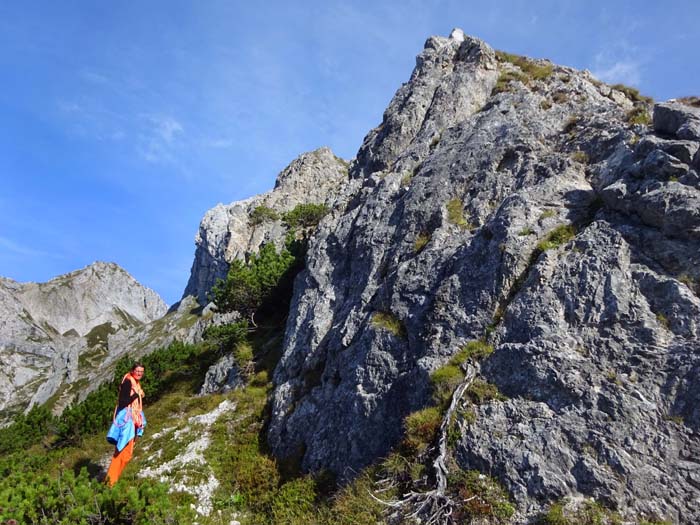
x: 123, y: 429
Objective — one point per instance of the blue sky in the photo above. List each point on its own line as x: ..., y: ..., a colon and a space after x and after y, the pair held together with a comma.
x: 123, y: 122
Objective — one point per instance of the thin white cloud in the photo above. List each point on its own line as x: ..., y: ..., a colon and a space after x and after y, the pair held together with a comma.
x: 621, y: 71
x: 167, y: 128
x: 19, y: 249
x: 160, y: 138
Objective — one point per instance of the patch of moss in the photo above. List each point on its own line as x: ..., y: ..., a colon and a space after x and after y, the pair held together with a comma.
x: 481, y: 391
x: 581, y: 157
x: 532, y: 69
x: 639, y: 115
x: 455, y: 214
x: 389, y: 322
x: 557, y: 237
x: 444, y: 380
x: 505, y: 79
x: 663, y: 321
x: 589, y: 513
x: 99, y: 334
x: 354, y: 505
x: 421, y: 241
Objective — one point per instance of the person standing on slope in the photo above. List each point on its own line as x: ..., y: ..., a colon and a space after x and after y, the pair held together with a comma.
x: 128, y: 422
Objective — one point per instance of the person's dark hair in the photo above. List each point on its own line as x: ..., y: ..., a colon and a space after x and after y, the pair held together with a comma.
x: 137, y: 365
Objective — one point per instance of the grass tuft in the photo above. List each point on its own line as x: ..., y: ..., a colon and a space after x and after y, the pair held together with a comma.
x: 421, y: 241
x: 639, y: 115
x: 633, y: 94
x: 389, y: 322
x: 557, y: 237
x: 455, y: 214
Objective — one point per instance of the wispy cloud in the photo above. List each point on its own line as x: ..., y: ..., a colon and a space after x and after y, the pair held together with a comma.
x: 625, y: 71
x: 160, y: 138
x: 19, y: 249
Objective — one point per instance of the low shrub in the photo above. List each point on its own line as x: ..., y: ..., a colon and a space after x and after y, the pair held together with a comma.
x: 227, y: 336
x: 248, y: 286
x: 305, y: 215
x: 262, y: 214
x: 26, y: 430
x: 482, y: 495
x: 422, y: 426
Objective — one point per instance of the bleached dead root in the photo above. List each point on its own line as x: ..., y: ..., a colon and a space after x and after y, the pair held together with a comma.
x: 435, y: 506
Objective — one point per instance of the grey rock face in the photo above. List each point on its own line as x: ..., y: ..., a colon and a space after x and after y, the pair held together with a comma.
x: 226, y: 234
x: 596, y: 338
x: 677, y: 119
x: 223, y: 376
x: 46, y: 328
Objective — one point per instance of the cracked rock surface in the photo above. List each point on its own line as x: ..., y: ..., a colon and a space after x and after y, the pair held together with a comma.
x: 446, y: 226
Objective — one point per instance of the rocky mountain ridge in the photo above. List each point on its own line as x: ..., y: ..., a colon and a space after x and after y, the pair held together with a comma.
x: 229, y: 232
x: 532, y: 207
x: 46, y: 328
x: 506, y: 202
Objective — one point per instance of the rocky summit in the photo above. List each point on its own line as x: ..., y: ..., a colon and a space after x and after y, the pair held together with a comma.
x: 234, y: 231
x: 509, y: 269
x: 531, y: 207
x: 49, y: 332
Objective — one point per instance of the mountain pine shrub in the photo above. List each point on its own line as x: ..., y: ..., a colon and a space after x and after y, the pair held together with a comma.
x: 262, y: 214
x: 305, y: 215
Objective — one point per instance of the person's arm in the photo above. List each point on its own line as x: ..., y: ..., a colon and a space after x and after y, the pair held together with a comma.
x: 125, y: 396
